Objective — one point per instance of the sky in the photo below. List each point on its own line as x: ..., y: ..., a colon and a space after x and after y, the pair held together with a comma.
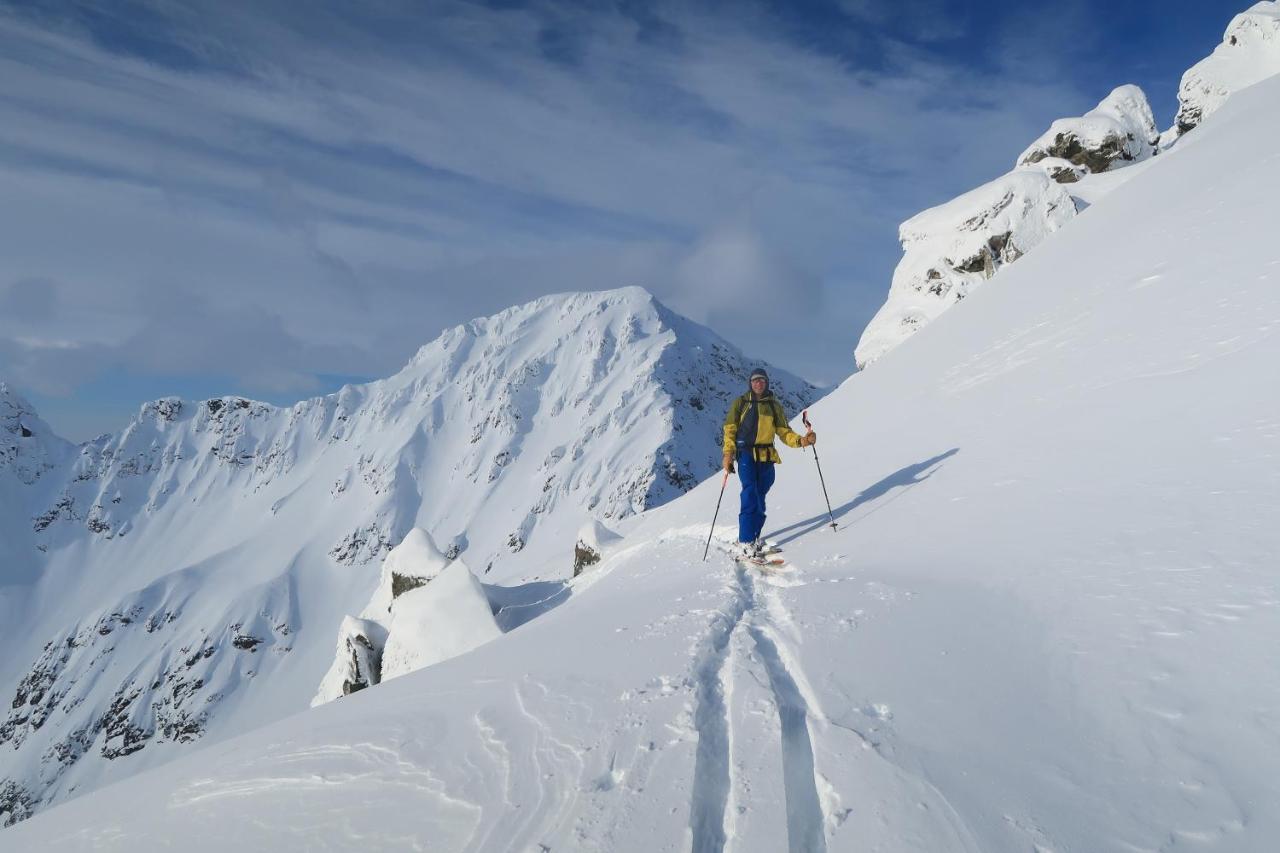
x: 274, y: 198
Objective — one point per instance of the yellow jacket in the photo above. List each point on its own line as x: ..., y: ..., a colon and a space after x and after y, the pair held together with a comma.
x: 771, y: 421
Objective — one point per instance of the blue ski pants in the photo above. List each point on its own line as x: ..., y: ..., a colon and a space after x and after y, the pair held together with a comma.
x: 757, y: 479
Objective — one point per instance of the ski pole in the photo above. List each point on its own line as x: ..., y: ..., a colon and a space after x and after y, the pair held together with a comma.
x: 723, y: 483
x: 804, y: 416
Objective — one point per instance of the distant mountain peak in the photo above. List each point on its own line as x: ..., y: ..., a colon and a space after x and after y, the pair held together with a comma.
x: 245, y: 534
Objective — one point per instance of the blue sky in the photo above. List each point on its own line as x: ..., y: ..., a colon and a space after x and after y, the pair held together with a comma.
x: 273, y: 198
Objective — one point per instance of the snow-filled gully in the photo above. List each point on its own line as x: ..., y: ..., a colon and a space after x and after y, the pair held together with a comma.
x: 713, y: 788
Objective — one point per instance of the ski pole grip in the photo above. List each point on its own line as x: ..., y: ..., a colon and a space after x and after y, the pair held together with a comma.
x: 804, y: 416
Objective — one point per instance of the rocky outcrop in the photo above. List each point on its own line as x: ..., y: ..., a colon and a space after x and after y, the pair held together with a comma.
x: 1249, y: 52
x: 427, y: 608
x: 951, y: 249
x: 441, y: 620
x: 358, y: 662
x: 1121, y: 129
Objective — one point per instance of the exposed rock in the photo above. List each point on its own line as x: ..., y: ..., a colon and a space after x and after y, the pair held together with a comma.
x: 1120, y: 129
x: 247, y: 642
x: 361, y: 546
x: 583, y: 556
x: 363, y: 664
x: 594, y: 539
x: 1061, y: 171
x: 413, y: 563
x: 16, y: 803
x: 64, y: 509
x: 444, y: 619
x: 164, y: 410
x: 168, y: 697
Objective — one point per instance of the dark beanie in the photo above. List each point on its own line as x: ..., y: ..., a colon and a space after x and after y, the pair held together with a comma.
x: 759, y: 371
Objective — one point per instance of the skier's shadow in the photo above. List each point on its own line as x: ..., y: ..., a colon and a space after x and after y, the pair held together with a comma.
x: 903, y: 479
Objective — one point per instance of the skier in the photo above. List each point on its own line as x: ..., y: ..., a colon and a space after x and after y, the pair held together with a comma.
x: 749, y: 429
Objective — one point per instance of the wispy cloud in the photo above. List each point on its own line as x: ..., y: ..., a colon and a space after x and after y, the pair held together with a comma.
x: 326, y: 187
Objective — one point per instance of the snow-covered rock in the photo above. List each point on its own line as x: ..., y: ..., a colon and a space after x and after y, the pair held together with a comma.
x: 1250, y: 52
x: 411, y: 564
x: 441, y: 620
x: 594, y: 539
x: 398, y: 630
x: 953, y: 248
x: 357, y: 661
x: 183, y: 579
x: 1120, y: 130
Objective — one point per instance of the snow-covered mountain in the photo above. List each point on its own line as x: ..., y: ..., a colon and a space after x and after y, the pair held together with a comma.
x: 1045, y: 622
x: 950, y: 250
x: 185, y: 578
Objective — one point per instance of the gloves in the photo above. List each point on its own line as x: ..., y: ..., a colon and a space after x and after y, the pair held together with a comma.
x: 810, y: 438
x: 728, y: 463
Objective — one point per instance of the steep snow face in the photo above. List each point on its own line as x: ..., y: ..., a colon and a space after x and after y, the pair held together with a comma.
x: 182, y: 580
x: 30, y: 457
x: 1047, y: 619
x: 951, y: 249
x: 1250, y: 51
x: 1120, y: 128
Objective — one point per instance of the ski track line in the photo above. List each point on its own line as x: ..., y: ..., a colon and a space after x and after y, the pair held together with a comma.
x: 806, y: 822
x: 712, y: 788
x: 711, y: 782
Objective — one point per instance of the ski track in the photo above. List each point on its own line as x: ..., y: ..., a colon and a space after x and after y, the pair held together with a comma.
x: 805, y: 819
x: 712, y: 784
x: 711, y: 788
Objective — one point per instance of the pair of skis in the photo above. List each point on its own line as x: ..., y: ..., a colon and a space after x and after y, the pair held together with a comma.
x: 804, y: 416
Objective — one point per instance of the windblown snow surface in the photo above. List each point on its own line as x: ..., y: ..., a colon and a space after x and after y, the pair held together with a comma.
x: 1047, y: 621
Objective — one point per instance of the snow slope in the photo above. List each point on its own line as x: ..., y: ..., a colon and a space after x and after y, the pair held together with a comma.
x: 1046, y: 622
x: 184, y: 580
